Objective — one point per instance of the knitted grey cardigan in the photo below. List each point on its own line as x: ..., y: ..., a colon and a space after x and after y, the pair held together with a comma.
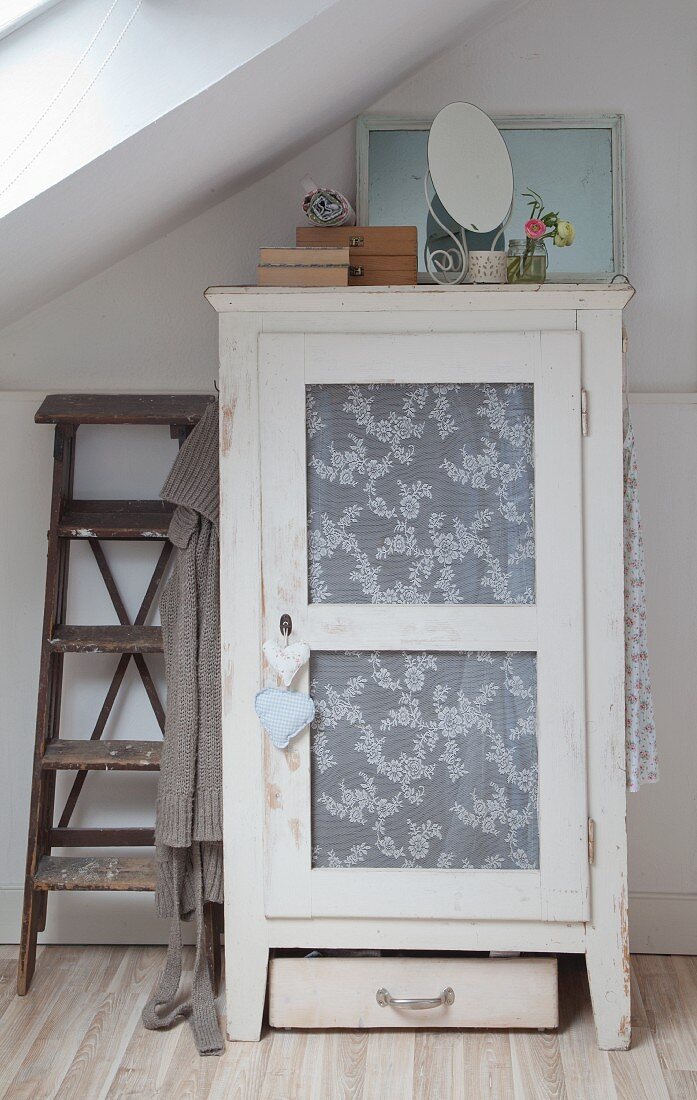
x: 188, y: 831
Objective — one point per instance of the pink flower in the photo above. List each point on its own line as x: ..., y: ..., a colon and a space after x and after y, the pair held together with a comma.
x: 534, y: 229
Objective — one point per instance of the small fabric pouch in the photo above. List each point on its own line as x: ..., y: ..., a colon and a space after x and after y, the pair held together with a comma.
x: 283, y: 714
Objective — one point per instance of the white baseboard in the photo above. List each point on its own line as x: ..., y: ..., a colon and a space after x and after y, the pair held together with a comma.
x: 662, y: 923
x: 86, y: 917
x: 659, y: 923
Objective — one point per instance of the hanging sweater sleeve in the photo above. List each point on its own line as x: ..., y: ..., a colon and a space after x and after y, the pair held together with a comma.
x: 175, y: 794
x: 186, y: 602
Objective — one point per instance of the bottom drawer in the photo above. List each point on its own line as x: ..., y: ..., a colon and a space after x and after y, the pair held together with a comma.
x: 361, y: 992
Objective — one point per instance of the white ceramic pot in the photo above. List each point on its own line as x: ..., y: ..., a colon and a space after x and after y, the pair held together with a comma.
x: 487, y: 267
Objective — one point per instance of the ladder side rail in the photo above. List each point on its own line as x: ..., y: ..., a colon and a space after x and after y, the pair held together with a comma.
x: 48, y: 703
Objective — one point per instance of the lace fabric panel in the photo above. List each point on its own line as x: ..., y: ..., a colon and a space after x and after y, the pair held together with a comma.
x: 424, y: 760
x: 420, y: 493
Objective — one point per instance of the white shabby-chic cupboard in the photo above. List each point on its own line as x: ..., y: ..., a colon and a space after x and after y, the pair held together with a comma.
x: 428, y: 481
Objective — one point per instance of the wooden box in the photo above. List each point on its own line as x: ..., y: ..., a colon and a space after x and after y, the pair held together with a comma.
x: 350, y: 992
x: 379, y: 255
x: 322, y: 265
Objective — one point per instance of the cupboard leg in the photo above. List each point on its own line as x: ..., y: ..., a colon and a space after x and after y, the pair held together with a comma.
x: 607, y: 960
x: 246, y: 966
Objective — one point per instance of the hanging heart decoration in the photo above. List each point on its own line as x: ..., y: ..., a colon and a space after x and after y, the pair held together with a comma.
x: 283, y: 714
x: 286, y: 660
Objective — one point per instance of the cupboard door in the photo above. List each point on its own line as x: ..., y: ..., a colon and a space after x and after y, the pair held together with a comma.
x: 421, y: 525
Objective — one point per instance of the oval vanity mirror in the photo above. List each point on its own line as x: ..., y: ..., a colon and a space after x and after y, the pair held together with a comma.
x: 470, y: 167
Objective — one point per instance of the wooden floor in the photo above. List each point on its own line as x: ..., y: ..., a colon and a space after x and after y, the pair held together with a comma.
x: 78, y: 1034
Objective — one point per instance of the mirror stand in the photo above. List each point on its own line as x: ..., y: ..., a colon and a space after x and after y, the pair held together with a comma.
x: 445, y: 265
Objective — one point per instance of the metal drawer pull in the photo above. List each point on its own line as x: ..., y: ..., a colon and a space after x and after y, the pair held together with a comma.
x: 385, y: 998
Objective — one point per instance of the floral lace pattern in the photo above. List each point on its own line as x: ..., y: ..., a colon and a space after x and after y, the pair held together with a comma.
x: 424, y: 760
x: 421, y: 493
x: 640, y: 731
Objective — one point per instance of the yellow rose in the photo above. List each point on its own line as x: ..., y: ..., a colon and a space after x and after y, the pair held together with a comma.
x: 564, y: 234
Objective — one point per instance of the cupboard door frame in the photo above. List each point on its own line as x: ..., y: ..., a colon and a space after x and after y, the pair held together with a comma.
x: 553, y: 626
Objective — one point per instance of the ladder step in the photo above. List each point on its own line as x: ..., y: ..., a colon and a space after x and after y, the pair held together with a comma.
x: 107, y: 639
x: 112, y: 408
x: 95, y: 873
x: 116, y: 519
x: 129, y: 756
x: 113, y: 837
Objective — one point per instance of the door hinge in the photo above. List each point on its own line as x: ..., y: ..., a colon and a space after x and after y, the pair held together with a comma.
x: 584, y: 412
x: 591, y: 840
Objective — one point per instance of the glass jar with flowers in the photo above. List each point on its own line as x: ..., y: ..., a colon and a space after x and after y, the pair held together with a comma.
x: 527, y: 259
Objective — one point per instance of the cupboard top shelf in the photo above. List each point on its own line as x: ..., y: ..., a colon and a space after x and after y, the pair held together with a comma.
x: 426, y: 296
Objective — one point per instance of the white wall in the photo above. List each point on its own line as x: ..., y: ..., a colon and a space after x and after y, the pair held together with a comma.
x: 143, y: 323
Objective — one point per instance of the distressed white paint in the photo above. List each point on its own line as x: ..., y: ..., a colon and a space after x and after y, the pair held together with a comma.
x: 274, y: 575
x: 246, y: 953
x: 286, y: 781
x: 430, y: 297
x: 553, y: 628
x: 607, y: 949
x: 430, y: 935
x: 356, y: 626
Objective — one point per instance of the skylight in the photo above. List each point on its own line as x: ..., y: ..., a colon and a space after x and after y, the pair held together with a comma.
x: 15, y: 13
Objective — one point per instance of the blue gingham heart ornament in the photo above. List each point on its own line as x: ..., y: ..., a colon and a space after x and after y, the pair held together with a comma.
x: 283, y: 714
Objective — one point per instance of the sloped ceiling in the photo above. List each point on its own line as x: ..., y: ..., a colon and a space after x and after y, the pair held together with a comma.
x: 290, y: 95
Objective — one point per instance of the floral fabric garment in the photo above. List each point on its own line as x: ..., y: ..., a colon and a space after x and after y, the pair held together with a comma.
x: 640, y: 732
x: 421, y: 494
x: 424, y: 760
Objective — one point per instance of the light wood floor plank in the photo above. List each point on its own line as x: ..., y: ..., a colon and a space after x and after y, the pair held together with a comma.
x: 681, y: 1084
x: 108, y: 963
x: 637, y: 1073
x: 145, y: 1062
x: 670, y: 1007
x: 343, y: 1064
x: 8, y: 977
x: 538, y: 1073
x: 285, y: 1077
x: 188, y: 1074
x: 639, y: 1017
x: 285, y: 1058
x: 51, y: 1054
x: 99, y: 1055
x: 240, y: 1072
x: 488, y: 1073
x: 389, y: 1057
x: 25, y: 1016
x: 439, y: 1064
x: 79, y: 1034
x: 587, y: 1071
x: 147, y: 1058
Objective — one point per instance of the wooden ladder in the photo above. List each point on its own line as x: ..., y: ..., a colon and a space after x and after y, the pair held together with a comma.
x: 94, y: 521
